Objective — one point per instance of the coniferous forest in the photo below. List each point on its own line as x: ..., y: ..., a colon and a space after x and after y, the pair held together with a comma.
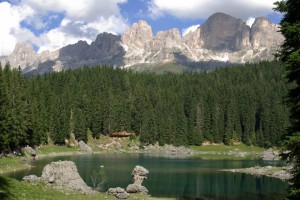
x: 238, y: 104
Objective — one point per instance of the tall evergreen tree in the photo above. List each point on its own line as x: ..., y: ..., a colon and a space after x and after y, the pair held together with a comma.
x: 290, y: 55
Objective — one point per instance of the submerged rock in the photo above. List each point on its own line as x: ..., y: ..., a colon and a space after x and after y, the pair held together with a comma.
x: 139, y: 174
x: 283, y: 173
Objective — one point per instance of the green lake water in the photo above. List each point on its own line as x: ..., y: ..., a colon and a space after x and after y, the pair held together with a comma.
x: 173, y: 177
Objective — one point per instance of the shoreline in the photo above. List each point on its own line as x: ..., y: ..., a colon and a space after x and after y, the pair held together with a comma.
x: 173, y: 152
x: 282, y: 173
x: 208, y: 152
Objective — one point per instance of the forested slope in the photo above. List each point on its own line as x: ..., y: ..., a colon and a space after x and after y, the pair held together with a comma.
x: 238, y: 104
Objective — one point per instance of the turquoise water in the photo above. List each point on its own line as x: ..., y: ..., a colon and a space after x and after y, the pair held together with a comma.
x: 171, y: 177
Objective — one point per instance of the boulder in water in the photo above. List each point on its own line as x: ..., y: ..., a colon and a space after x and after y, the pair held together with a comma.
x: 139, y: 174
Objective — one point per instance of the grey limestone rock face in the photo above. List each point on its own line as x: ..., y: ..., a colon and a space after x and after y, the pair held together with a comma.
x: 222, y: 38
x: 264, y: 34
x: 224, y: 32
x: 23, y: 56
x: 138, y: 35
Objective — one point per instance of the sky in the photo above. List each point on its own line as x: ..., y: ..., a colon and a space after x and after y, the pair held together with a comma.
x: 52, y: 24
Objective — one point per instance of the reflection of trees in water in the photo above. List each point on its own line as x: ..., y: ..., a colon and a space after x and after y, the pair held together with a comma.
x: 4, y: 189
x: 217, y: 185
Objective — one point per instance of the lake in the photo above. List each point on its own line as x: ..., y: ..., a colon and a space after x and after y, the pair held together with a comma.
x: 190, y: 178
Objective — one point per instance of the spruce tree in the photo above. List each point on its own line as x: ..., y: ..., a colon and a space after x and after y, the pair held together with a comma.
x: 290, y: 56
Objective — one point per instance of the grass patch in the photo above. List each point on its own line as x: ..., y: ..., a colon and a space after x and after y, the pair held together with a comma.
x: 12, y: 189
x: 113, y: 144
x: 48, y: 150
x: 168, y: 67
x: 273, y: 170
x: 8, y: 164
x: 14, y: 163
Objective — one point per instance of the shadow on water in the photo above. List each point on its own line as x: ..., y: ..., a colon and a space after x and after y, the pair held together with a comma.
x: 4, y: 189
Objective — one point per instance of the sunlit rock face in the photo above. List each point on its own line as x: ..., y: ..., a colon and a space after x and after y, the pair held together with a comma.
x: 264, y: 34
x: 222, y: 38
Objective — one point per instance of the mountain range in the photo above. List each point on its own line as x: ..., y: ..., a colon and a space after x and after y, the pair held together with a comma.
x: 221, y: 40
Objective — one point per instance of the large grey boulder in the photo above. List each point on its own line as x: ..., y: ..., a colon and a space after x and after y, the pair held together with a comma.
x: 61, y: 175
x: 118, y: 192
x: 65, y: 174
x: 139, y: 174
x: 84, y: 147
x: 29, y: 151
x: 133, y: 188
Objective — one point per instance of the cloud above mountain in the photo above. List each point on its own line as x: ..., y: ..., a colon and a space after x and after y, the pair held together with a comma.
x: 187, y: 9
x: 50, y: 25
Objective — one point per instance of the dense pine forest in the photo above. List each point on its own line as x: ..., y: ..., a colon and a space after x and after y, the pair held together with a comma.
x: 238, y: 104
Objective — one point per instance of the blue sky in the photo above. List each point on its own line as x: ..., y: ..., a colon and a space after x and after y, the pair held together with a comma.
x: 51, y: 24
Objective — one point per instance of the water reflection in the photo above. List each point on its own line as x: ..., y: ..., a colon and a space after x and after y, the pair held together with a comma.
x: 182, y: 178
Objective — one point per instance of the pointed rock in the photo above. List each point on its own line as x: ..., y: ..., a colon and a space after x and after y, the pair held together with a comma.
x: 167, y: 39
x: 193, y: 39
x: 23, y: 56
x: 265, y: 34
x: 137, y: 35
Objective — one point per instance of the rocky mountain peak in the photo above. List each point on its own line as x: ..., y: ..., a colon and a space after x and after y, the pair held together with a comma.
x: 193, y: 39
x: 221, y: 39
x: 23, y: 55
x: 138, y: 34
x: 168, y: 39
x: 264, y: 34
x: 23, y: 48
x: 224, y: 32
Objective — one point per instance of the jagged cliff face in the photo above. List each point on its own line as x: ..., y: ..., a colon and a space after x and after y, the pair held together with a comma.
x: 264, y: 34
x: 221, y: 38
x: 222, y: 32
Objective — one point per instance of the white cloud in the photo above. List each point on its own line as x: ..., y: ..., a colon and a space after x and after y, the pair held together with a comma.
x: 11, y: 32
x: 190, y: 29
x: 85, y: 10
x: 250, y: 21
x: 70, y: 32
x: 194, y: 9
x: 82, y: 20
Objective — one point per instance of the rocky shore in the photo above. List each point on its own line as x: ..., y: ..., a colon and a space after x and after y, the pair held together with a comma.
x: 282, y: 173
